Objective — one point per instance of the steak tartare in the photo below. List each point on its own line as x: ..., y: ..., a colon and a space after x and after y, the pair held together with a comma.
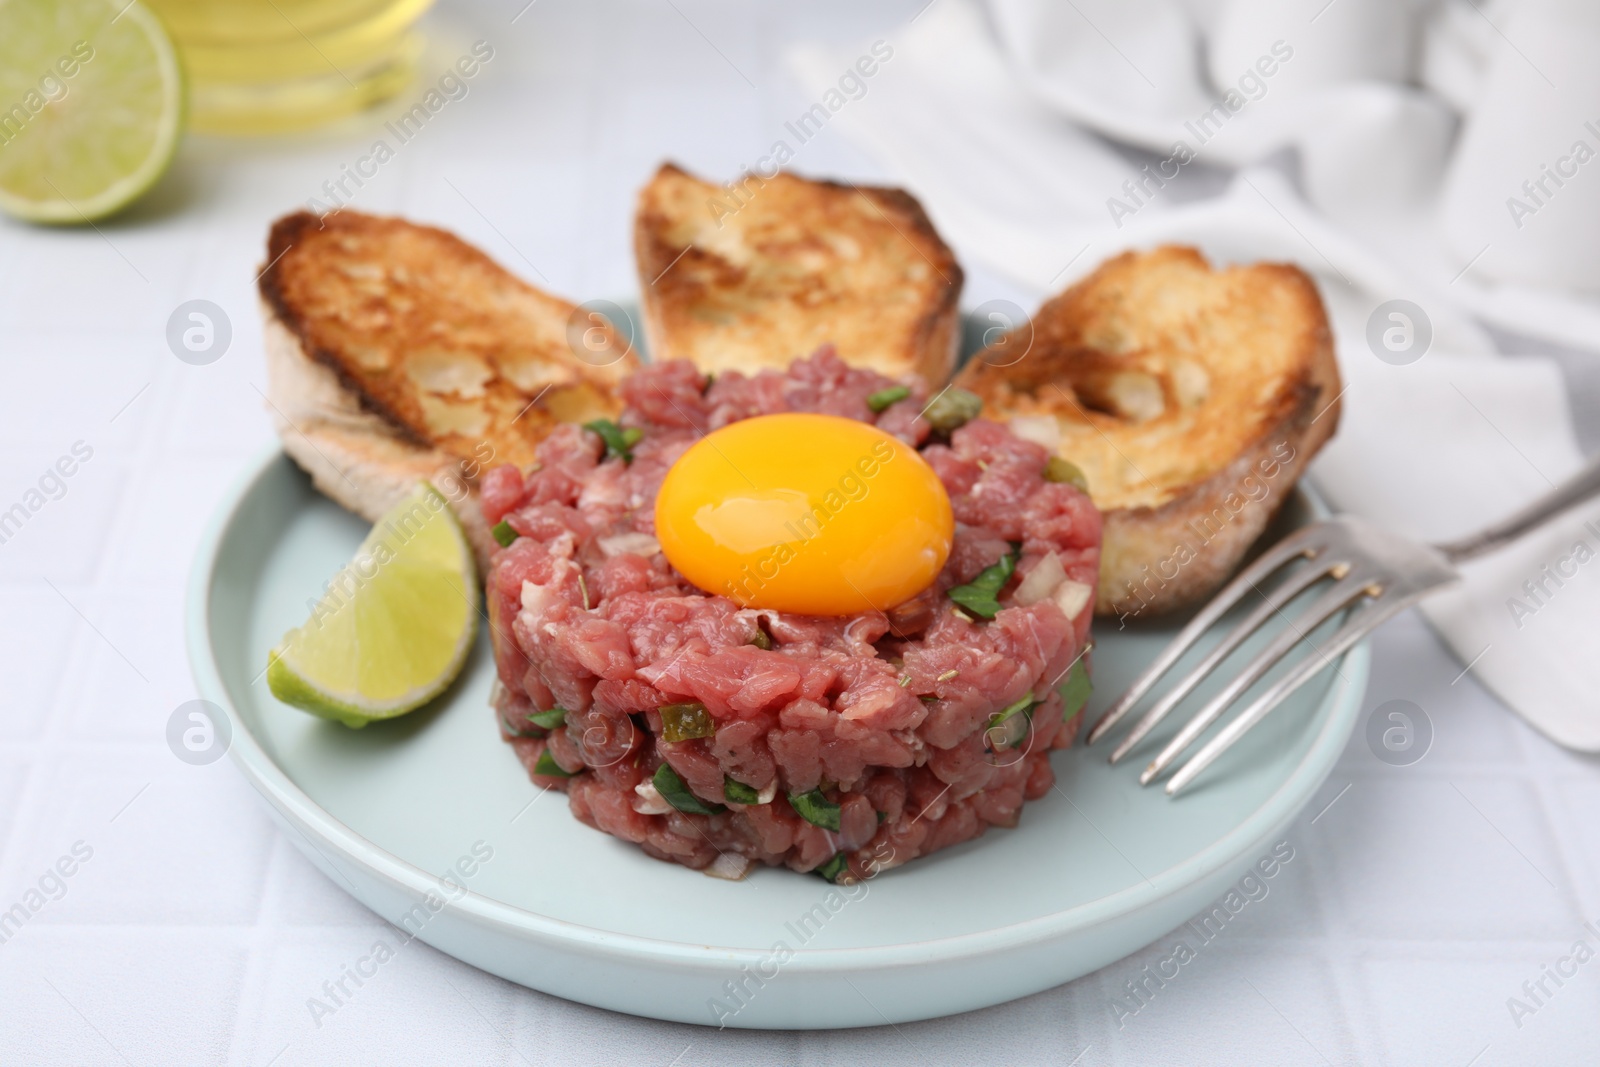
x: 719, y: 736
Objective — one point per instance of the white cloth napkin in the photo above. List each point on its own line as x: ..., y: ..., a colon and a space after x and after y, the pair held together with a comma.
x: 1370, y: 93
x: 1435, y: 448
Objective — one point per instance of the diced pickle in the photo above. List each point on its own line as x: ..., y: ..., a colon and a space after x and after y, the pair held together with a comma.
x: 685, y: 722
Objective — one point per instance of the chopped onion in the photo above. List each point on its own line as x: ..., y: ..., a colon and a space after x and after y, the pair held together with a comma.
x: 1071, y: 597
x: 650, y: 801
x: 767, y: 793
x: 729, y: 865
x: 1040, y: 429
x: 1041, y: 581
x: 636, y: 544
x: 534, y: 597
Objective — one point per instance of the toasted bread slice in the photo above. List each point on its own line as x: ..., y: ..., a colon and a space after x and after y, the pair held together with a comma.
x: 397, y: 352
x: 770, y: 269
x: 1191, y: 398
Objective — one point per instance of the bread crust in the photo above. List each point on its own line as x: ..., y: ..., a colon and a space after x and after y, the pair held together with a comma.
x: 398, y: 353
x: 433, y: 337
x: 1192, y: 398
x: 769, y: 269
x: 353, y: 456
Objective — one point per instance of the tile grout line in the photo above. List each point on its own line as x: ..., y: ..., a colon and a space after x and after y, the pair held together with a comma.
x: 1578, y: 880
x: 253, y: 983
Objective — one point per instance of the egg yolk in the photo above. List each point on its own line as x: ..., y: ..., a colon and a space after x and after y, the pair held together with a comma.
x: 813, y: 514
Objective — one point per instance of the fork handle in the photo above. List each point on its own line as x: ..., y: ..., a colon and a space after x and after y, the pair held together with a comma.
x: 1575, y: 490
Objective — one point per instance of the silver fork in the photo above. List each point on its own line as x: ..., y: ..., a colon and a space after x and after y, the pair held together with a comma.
x: 1372, y: 573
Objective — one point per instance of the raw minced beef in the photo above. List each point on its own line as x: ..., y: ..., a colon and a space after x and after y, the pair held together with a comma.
x: 887, y: 716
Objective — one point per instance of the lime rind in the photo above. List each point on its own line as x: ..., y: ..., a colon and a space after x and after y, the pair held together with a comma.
x: 42, y: 176
x: 395, y: 625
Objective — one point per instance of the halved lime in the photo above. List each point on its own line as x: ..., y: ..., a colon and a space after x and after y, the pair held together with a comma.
x: 394, y: 625
x: 91, y: 106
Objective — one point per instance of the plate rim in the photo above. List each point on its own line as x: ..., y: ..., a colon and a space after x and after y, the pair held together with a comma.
x: 313, y: 822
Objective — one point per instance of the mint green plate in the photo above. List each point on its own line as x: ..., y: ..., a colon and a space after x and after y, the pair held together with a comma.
x: 1096, y: 870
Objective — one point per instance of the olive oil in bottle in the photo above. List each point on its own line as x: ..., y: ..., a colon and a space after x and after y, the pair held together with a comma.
x: 262, y: 66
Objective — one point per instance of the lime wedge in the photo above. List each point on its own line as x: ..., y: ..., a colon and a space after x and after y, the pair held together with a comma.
x: 91, y: 106
x: 394, y: 626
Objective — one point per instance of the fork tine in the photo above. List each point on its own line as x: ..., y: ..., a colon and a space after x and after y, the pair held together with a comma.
x: 1299, y: 543
x: 1285, y: 591
x: 1361, y: 623
x: 1336, y: 597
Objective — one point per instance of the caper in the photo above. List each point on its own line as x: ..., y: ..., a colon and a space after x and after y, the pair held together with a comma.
x: 952, y: 409
x: 1059, y: 470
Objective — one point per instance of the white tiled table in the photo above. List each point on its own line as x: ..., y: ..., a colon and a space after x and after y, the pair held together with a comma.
x: 1417, y: 903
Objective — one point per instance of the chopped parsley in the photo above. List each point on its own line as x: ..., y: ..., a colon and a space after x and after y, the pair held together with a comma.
x: 619, y: 441
x: 549, y: 719
x: 1014, y: 720
x: 816, y: 809
x: 1075, y: 690
x: 548, y: 766
x: 674, y: 792
x: 980, y: 596
x: 835, y: 866
x: 881, y: 400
